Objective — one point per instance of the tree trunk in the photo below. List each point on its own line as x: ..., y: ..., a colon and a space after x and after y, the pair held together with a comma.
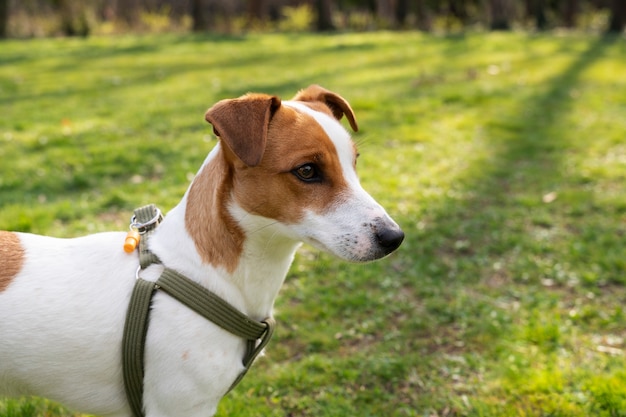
x: 569, y: 13
x: 4, y: 17
x: 458, y: 9
x: 500, y: 14
x: 536, y: 10
x: 423, y: 18
x: 618, y: 16
x: 256, y: 12
x: 384, y: 9
x: 324, y: 15
x: 402, y: 9
x: 128, y: 10
x: 198, y: 16
x: 74, y: 20
x: 540, y: 15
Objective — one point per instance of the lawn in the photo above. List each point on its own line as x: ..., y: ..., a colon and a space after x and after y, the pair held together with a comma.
x: 502, y: 155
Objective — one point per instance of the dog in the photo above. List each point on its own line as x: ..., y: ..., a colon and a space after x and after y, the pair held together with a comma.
x: 282, y: 173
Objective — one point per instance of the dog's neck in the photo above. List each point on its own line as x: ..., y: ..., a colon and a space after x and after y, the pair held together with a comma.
x: 242, y: 257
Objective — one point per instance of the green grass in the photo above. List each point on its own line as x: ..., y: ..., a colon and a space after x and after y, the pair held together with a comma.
x: 503, y: 157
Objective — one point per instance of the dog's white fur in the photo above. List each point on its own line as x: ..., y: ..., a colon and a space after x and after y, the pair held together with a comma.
x: 63, y: 301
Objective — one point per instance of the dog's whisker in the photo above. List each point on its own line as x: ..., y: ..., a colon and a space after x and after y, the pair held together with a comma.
x: 361, y: 141
x: 264, y: 227
x: 269, y: 242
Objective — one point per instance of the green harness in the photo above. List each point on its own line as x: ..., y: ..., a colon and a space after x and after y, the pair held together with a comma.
x: 191, y: 294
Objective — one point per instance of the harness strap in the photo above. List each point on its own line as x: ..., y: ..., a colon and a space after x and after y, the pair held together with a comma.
x: 135, y: 330
x: 209, y: 305
x: 137, y: 316
x: 189, y: 293
x: 213, y: 308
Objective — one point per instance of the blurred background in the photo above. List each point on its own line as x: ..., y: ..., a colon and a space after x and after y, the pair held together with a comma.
x: 42, y: 18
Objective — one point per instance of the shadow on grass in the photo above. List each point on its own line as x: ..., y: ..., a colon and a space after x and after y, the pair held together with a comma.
x: 500, y: 233
x: 528, y: 154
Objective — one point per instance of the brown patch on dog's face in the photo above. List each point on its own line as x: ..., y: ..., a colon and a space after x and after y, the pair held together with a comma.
x: 11, y: 258
x: 217, y: 237
x: 272, y: 189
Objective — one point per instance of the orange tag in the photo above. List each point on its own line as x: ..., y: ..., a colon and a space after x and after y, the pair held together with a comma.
x: 131, y: 242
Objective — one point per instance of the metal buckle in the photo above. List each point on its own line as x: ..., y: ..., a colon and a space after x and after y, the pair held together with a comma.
x: 143, y: 227
x: 137, y: 278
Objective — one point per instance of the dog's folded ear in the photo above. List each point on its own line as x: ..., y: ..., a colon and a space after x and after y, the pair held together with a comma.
x: 242, y: 124
x: 337, y: 104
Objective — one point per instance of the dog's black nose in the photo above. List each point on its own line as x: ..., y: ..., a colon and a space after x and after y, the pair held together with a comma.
x: 390, y: 238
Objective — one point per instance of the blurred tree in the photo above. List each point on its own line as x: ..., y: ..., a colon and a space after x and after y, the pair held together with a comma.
x: 199, y: 19
x: 216, y: 15
x: 385, y: 11
x: 500, y: 14
x: 402, y: 10
x: 537, y: 10
x: 423, y: 15
x: 570, y: 12
x: 458, y: 9
x: 74, y: 19
x: 324, y: 15
x: 129, y: 11
x: 617, y: 23
x: 4, y: 17
x: 256, y: 11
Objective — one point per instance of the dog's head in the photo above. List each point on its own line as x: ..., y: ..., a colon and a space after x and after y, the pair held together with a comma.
x: 294, y: 163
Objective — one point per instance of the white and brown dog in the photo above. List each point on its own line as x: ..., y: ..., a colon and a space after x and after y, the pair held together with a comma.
x: 282, y: 173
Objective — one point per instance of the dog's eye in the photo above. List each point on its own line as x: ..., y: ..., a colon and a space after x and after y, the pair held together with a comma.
x: 307, y: 173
